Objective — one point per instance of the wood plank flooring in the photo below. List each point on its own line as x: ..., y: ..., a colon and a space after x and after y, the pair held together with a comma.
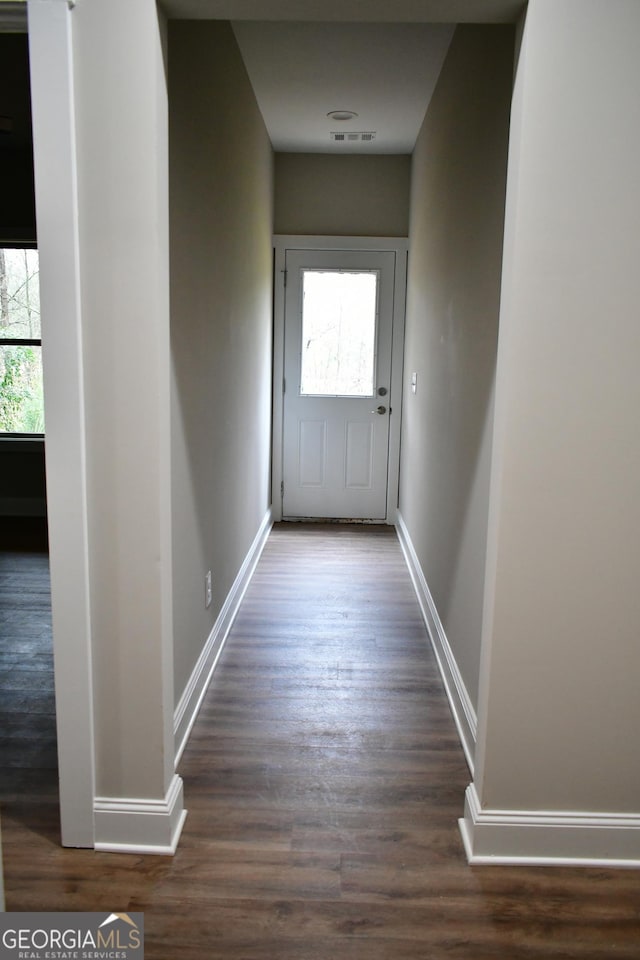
x: 28, y: 755
x: 324, y: 780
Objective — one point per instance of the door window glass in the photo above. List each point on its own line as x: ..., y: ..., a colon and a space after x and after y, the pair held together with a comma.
x: 339, y: 311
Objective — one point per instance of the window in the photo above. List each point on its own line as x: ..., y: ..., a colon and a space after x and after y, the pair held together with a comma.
x: 21, y: 402
x: 338, y: 332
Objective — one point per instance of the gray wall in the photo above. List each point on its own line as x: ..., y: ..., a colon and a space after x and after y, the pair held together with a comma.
x: 457, y: 215
x: 561, y: 658
x: 221, y: 175
x: 342, y: 196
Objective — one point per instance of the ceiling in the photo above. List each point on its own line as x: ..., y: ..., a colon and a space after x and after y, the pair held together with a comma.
x: 305, y: 58
x: 350, y: 11
x: 378, y: 58
x: 385, y: 73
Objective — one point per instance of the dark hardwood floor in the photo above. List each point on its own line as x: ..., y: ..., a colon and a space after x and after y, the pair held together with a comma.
x: 28, y: 755
x: 324, y: 780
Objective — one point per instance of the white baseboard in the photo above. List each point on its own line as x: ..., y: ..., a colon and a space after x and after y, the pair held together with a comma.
x: 517, y: 837
x: 459, y: 700
x: 549, y: 838
x: 191, y: 699
x: 133, y: 825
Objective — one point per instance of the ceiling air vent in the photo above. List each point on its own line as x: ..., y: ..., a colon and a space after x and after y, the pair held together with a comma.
x: 362, y: 136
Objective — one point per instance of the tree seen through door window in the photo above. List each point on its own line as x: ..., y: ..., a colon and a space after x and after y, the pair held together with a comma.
x: 338, y: 333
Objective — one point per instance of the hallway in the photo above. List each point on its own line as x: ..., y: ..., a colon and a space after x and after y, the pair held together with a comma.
x: 324, y: 779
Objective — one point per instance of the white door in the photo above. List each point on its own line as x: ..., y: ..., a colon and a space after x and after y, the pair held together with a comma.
x: 337, y: 372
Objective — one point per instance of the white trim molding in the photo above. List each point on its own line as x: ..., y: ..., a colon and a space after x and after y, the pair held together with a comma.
x: 462, y: 708
x: 548, y: 838
x: 187, y: 709
x: 140, y: 825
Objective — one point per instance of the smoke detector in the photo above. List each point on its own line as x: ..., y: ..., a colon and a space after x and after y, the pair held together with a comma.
x: 342, y: 115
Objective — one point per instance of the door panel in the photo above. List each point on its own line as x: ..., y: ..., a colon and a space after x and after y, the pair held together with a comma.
x: 312, y: 452
x: 337, y: 365
x: 358, y: 455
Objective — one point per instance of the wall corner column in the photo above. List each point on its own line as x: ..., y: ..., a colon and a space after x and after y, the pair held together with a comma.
x: 556, y: 781
x: 102, y: 201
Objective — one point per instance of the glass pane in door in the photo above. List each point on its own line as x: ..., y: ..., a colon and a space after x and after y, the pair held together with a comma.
x: 339, y: 311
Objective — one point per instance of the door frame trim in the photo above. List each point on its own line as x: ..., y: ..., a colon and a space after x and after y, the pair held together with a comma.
x: 400, y: 247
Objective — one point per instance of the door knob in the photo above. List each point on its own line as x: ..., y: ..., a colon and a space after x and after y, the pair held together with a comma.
x: 380, y: 410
